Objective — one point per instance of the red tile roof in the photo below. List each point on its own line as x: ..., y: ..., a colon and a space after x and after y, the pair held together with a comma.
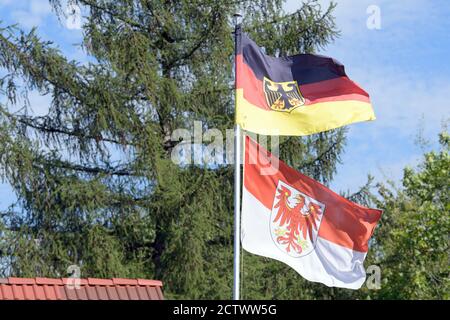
x: 89, y: 289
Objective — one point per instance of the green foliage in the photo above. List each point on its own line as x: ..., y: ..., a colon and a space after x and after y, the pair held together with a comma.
x: 412, y: 243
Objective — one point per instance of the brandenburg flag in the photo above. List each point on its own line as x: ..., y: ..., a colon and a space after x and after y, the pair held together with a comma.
x: 295, y: 95
x: 292, y: 218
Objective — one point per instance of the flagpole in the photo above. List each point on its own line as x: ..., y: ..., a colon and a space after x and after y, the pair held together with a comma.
x: 237, y: 174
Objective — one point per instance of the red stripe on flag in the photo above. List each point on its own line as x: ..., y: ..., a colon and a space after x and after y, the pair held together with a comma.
x: 345, y: 223
x: 253, y: 87
x: 338, y: 89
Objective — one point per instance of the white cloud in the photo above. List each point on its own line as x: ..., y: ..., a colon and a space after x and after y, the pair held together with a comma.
x: 404, y: 106
x: 40, y: 8
x: 39, y: 104
x: 33, y: 14
x: 25, y: 19
x: 400, y: 99
x: 408, y: 89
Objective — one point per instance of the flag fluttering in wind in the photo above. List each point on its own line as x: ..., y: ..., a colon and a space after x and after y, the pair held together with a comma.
x: 295, y: 95
x: 292, y: 218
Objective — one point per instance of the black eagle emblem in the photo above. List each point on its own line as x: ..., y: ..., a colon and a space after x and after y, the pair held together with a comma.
x: 282, y: 96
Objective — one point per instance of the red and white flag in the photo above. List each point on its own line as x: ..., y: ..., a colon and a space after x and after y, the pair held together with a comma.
x: 292, y: 218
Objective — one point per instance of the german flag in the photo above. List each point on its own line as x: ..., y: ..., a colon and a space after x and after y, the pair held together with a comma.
x: 296, y: 95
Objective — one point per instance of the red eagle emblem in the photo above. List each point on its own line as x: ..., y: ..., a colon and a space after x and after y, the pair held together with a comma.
x: 295, y: 221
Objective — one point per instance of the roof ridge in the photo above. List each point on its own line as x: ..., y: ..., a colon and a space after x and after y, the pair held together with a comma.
x: 41, y: 288
x: 84, y: 281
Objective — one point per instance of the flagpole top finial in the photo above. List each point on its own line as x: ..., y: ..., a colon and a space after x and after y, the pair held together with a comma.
x: 237, y: 17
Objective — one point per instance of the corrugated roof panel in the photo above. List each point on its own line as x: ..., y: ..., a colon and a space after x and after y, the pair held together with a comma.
x: 40, y: 280
x: 91, y: 293
x: 142, y: 292
x: 153, y: 283
x: 132, y: 293
x: 122, y: 281
x: 159, y: 291
x: 152, y: 293
x: 7, y: 292
x: 39, y: 293
x: 18, y: 293
x: 122, y: 292
x: 28, y: 292
x: 81, y: 293
x: 49, y: 292
x: 74, y: 281
x: 89, y: 289
x: 71, y: 293
x: 100, y: 282
x: 112, y: 293
x: 101, y: 293
x: 60, y: 293
x: 13, y: 280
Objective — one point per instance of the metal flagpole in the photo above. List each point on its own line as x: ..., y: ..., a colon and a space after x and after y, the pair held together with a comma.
x: 237, y: 173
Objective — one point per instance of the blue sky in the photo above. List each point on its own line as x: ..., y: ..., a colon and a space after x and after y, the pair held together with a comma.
x: 404, y: 66
x: 406, y: 70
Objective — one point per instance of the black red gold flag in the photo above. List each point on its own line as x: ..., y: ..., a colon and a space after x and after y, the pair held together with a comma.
x: 295, y: 95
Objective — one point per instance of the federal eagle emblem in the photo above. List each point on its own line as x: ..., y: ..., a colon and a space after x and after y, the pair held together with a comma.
x: 295, y: 220
x: 282, y: 96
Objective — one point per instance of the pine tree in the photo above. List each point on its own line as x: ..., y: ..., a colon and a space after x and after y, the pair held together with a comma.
x: 155, y: 66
